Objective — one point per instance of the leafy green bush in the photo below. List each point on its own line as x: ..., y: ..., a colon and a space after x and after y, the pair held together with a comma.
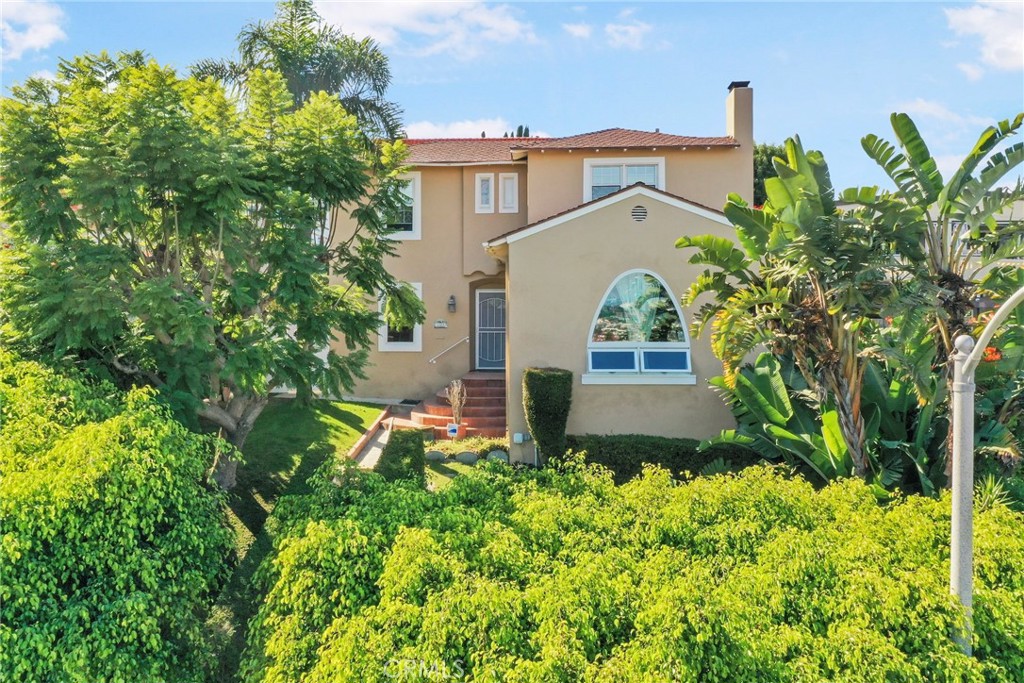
x: 481, y: 445
x: 547, y: 575
x: 112, y: 545
x: 626, y: 454
x: 403, y: 457
x: 547, y: 396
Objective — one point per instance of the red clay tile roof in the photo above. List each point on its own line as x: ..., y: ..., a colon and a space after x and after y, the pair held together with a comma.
x: 461, y: 150
x: 624, y: 138
x: 505, y: 150
x: 601, y: 199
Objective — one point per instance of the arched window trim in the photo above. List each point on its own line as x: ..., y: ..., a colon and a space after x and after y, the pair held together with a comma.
x: 638, y: 369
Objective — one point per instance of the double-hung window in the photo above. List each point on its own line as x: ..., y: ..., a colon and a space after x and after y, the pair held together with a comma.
x: 404, y: 223
x: 400, y: 338
x: 602, y: 177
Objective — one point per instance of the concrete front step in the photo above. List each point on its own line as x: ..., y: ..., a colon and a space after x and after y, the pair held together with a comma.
x: 477, y: 393
x: 474, y: 399
x: 422, y: 417
x: 469, y: 410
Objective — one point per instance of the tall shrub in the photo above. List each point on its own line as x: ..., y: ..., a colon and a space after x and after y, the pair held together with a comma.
x: 547, y: 397
x: 112, y: 545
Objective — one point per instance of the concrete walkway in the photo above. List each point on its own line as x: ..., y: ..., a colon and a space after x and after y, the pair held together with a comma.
x: 368, y: 457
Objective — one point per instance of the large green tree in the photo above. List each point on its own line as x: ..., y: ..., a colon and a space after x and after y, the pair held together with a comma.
x: 314, y: 57
x: 184, y: 241
x: 764, y: 167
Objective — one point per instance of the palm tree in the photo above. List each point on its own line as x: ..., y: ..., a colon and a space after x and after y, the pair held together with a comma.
x: 313, y: 56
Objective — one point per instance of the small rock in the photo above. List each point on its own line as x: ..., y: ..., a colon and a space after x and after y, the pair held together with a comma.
x: 467, y: 457
x: 498, y: 455
x: 435, y: 456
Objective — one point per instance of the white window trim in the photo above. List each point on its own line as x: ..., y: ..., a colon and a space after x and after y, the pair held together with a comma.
x: 621, y: 378
x: 514, y: 204
x: 589, y: 164
x: 417, y: 210
x: 416, y: 345
x: 639, y: 377
x: 480, y: 206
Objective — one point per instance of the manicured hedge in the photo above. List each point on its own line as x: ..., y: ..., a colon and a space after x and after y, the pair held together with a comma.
x: 626, y: 454
x: 537, y: 576
x: 112, y: 544
x: 403, y: 457
x: 547, y: 397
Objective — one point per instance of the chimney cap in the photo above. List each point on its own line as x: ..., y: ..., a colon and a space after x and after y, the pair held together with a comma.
x: 738, y: 84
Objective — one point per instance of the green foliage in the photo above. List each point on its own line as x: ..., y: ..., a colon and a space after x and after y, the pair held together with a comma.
x: 112, y: 545
x: 481, y: 445
x: 563, y: 576
x: 764, y: 168
x: 314, y: 57
x: 185, y: 240
x: 626, y: 455
x: 547, y: 397
x: 402, y: 457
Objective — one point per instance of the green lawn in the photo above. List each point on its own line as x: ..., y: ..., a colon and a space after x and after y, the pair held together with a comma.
x: 440, y: 474
x: 286, y: 446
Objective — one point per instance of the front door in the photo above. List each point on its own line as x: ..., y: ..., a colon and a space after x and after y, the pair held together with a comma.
x: 490, y: 329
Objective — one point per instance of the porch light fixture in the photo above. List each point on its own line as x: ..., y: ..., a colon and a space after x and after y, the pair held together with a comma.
x: 451, y: 304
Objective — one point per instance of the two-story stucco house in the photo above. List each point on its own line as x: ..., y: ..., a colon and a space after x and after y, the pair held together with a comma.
x: 560, y: 252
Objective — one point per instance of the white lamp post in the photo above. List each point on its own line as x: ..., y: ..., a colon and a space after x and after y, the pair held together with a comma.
x: 961, y: 559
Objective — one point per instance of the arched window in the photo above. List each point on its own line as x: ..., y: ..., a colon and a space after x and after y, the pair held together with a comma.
x: 638, y: 329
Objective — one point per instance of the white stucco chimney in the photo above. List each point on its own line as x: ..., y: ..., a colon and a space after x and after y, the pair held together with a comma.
x: 739, y: 113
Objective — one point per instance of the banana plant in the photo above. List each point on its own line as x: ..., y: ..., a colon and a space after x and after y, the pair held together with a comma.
x: 779, y: 417
x: 961, y: 223
x: 805, y: 279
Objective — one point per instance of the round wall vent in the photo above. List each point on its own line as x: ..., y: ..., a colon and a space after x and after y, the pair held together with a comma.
x: 639, y: 213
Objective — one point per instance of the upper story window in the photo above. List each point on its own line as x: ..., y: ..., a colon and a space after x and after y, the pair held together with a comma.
x: 639, y: 335
x: 508, y: 185
x: 602, y: 177
x: 485, y: 193
x: 404, y: 224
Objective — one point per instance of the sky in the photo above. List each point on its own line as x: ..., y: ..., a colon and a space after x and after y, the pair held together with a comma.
x: 830, y: 72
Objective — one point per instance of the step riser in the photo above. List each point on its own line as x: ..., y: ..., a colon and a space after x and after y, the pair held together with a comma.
x: 480, y: 392
x: 444, y: 420
x: 467, y: 411
x: 478, y: 401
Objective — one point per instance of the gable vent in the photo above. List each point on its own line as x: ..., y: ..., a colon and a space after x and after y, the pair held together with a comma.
x: 639, y: 213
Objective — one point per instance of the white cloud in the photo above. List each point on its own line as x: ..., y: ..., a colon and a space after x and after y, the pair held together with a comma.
x: 468, y: 128
x: 940, y: 112
x: 578, y: 30
x: 998, y: 26
x: 629, y: 34
x: 972, y: 71
x: 44, y: 74
x: 29, y: 26
x: 463, y: 29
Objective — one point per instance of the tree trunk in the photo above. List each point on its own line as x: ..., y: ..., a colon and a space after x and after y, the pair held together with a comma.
x: 236, y: 431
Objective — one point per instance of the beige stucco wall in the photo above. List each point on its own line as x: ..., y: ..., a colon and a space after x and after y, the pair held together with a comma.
x: 480, y: 227
x: 705, y: 176
x: 438, y: 261
x: 556, y: 280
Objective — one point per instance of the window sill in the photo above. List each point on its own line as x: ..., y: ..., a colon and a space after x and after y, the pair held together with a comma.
x: 681, y: 378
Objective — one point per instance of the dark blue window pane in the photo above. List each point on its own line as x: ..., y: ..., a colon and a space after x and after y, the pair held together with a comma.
x: 613, y: 360
x: 663, y: 361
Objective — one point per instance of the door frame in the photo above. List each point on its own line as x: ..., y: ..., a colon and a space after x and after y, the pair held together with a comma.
x: 476, y: 326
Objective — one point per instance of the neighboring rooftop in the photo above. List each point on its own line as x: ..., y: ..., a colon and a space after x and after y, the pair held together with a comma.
x: 507, y: 150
